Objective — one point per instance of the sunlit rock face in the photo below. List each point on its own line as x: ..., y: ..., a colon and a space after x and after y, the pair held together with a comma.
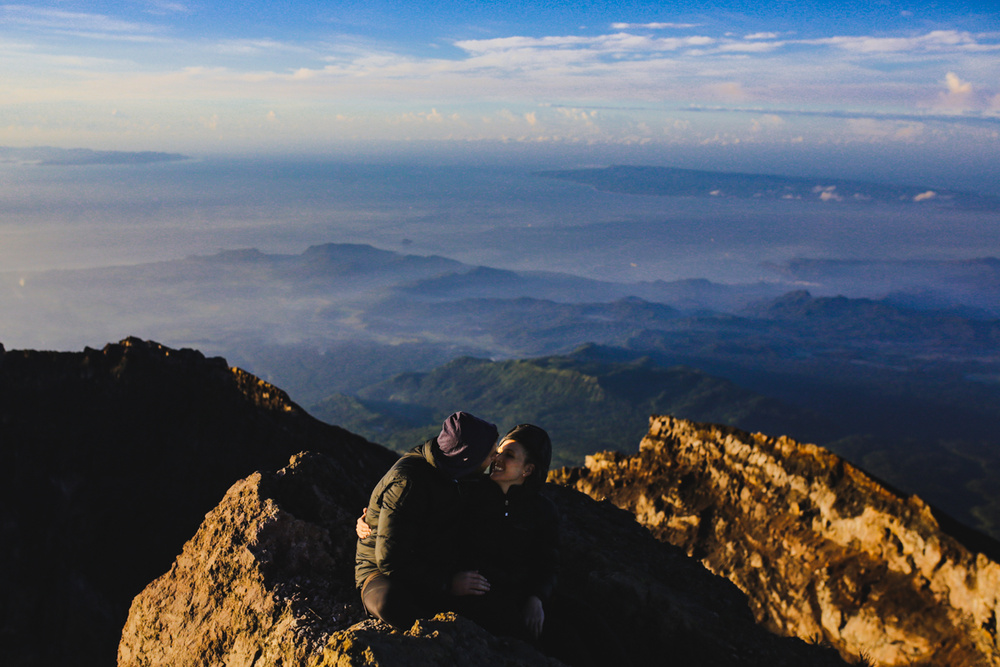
x: 821, y: 549
x: 259, y: 583
x: 268, y: 580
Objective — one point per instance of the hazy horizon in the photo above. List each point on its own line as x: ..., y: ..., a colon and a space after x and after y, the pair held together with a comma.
x: 417, y: 129
x: 506, y: 216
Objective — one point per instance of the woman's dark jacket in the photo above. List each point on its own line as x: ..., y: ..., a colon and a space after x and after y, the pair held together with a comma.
x: 511, y: 539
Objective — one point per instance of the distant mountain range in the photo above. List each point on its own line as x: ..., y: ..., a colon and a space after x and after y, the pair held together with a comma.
x: 672, y: 182
x: 337, y: 292
x: 904, y: 380
x: 971, y: 286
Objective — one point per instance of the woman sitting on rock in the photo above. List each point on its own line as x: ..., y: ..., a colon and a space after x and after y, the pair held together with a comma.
x: 512, y: 537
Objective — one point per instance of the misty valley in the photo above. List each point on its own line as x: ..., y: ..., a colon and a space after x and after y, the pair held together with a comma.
x: 385, y: 344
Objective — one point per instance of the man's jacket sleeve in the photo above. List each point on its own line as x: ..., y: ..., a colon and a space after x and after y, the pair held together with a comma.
x: 394, y: 546
x: 405, y: 541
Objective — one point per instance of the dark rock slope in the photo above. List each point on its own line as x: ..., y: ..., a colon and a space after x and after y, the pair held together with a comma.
x: 109, y: 460
x: 821, y: 549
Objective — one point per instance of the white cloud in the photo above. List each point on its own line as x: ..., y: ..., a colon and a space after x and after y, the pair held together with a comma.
x: 932, y: 42
x: 727, y: 91
x: 872, y: 130
x: 433, y: 117
x: 925, y: 196
x: 767, y: 121
x: 750, y: 47
x: 650, y: 79
x: 653, y: 26
x: 909, y: 131
x: 600, y: 44
x: 578, y: 115
x: 162, y: 7
x: 955, y: 85
x: 97, y: 26
x: 958, y: 95
x: 247, y: 47
x: 827, y: 193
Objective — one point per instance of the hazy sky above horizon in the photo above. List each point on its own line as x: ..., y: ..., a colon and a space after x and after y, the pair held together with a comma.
x: 283, y: 77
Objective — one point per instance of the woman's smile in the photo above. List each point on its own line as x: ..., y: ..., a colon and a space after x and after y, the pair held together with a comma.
x: 510, y: 466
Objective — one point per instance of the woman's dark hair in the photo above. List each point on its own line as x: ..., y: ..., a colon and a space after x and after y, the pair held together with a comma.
x: 538, y: 448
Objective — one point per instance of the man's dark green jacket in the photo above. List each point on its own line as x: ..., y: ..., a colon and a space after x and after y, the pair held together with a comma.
x: 414, y: 514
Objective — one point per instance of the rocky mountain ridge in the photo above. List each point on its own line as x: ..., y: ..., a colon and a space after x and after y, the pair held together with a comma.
x: 820, y: 548
x: 112, y: 458
x: 268, y: 580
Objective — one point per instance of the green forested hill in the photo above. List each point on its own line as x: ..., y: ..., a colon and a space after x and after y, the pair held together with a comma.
x: 585, y: 402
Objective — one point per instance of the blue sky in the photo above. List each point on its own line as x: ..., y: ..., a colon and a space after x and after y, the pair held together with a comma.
x: 194, y: 76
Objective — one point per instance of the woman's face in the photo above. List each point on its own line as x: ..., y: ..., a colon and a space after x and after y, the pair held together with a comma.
x: 510, y: 464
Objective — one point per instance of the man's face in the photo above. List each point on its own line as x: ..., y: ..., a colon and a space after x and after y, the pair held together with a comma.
x: 487, y: 461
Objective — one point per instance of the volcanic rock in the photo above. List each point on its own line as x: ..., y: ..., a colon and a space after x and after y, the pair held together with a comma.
x: 268, y: 580
x: 109, y: 460
x: 821, y: 549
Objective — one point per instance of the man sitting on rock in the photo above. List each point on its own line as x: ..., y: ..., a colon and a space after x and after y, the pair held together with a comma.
x: 405, y: 568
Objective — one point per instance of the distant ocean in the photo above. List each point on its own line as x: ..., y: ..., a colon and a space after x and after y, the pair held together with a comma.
x: 54, y: 217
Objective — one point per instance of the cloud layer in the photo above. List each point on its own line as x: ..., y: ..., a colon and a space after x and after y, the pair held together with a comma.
x: 71, y: 76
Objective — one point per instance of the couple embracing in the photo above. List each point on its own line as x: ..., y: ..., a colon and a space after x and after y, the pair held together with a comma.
x: 441, y: 535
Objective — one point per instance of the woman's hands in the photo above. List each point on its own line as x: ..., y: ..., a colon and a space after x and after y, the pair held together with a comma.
x: 534, y: 616
x: 469, y: 583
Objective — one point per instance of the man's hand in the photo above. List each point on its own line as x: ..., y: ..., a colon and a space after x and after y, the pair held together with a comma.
x: 469, y: 583
x: 361, y: 527
x: 534, y: 616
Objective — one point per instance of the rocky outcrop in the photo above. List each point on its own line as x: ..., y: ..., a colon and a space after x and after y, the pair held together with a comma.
x: 109, y: 460
x: 259, y: 583
x: 821, y: 549
x: 268, y: 580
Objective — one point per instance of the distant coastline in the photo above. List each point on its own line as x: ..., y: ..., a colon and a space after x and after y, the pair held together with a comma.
x: 673, y: 182
x: 48, y: 156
